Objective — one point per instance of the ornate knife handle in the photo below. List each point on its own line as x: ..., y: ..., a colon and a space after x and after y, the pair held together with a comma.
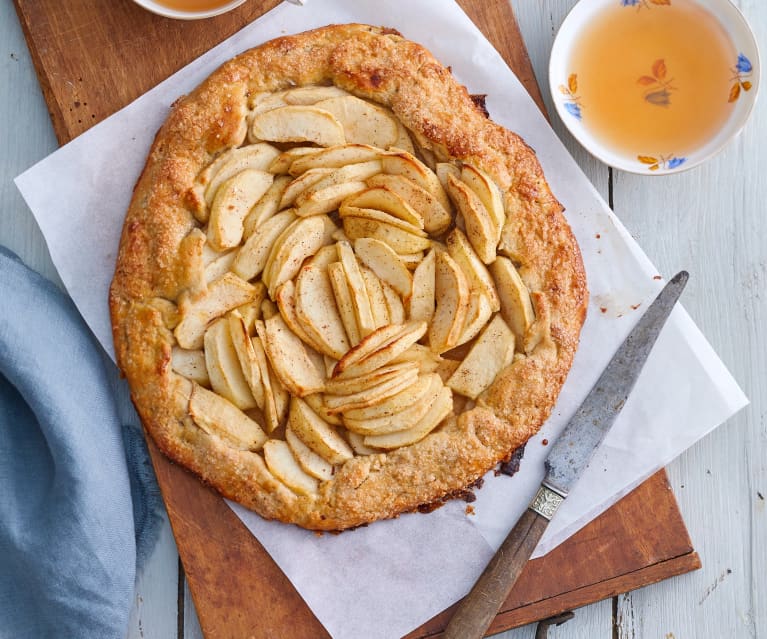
x: 477, y: 610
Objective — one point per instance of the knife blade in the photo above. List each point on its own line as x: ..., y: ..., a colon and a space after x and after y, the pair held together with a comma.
x: 569, y: 457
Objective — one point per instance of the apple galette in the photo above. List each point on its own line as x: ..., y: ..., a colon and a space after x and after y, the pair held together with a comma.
x: 342, y: 292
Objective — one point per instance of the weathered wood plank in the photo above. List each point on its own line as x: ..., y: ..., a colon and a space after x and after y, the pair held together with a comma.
x: 711, y: 221
x: 154, y: 610
x: 27, y: 137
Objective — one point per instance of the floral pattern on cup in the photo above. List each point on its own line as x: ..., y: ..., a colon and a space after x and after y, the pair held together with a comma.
x: 573, y: 105
x: 666, y: 163
x: 644, y: 3
x: 658, y: 85
x: 742, y: 70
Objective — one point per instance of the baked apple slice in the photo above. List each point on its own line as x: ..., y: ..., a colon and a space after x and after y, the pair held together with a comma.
x: 317, y: 434
x: 362, y: 122
x: 452, y: 304
x: 219, y: 417
x: 492, y: 352
x: 297, y: 124
x: 285, y: 467
x: 516, y: 306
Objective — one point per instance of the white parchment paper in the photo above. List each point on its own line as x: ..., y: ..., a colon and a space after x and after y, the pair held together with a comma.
x: 384, y: 580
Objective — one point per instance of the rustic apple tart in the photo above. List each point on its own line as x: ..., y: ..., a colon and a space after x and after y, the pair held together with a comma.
x: 342, y: 291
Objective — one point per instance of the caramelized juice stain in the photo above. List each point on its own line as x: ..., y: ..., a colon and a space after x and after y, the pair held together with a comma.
x: 193, y: 5
x: 654, y: 80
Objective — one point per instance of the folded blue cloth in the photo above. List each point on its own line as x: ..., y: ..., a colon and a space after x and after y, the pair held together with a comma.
x: 78, y: 499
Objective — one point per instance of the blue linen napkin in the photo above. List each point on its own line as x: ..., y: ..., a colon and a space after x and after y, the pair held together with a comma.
x: 78, y: 499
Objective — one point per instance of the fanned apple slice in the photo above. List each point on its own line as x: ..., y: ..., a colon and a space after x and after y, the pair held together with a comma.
x: 336, y: 157
x: 452, y: 297
x: 190, y: 364
x: 360, y: 171
x: 297, y: 124
x: 285, y: 467
x: 289, y: 359
x: 372, y: 395
x: 281, y: 397
x: 312, y: 94
x: 310, y: 461
x: 399, y: 240
x: 252, y: 310
x: 251, y: 156
x: 270, y: 410
x: 492, y: 352
x: 302, y: 183
x: 266, y: 100
x: 488, y: 193
x: 226, y: 376
x: 224, y: 294
x: 438, y: 411
x: 516, y: 306
x: 377, y: 352
x: 362, y: 311
x: 317, y: 312
x: 436, y: 219
x: 219, y: 417
x: 399, y: 162
x: 326, y: 255
x: 317, y: 434
x: 246, y: 355
x: 357, y: 443
x: 404, y: 140
x: 363, y: 122
x: 266, y: 207
x: 381, y: 198
x: 221, y: 265
x: 317, y: 201
x: 480, y: 227
x: 394, y: 305
x: 477, y: 316
x: 346, y: 210
x: 252, y: 257
x: 427, y: 361
x: 422, y: 301
x: 317, y: 404
x: 375, y: 291
x: 412, y: 260
x: 378, y: 376
x: 330, y: 364
x: 444, y: 170
x: 380, y: 258
x: 284, y: 160
x: 403, y: 420
x: 234, y: 199
x: 286, y: 303
x: 344, y: 303
x: 395, y: 404
x: 302, y: 239
x: 475, y: 271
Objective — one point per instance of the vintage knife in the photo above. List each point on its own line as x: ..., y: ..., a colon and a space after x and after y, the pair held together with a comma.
x: 569, y: 456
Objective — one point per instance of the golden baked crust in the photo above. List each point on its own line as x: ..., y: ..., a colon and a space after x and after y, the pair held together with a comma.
x: 158, y: 263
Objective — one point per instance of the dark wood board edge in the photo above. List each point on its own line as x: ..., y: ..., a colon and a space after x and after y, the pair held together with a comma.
x: 496, y: 20
x: 51, y: 99
x: 225, y: 595
x: 546, y: 608
x: 64, y: 88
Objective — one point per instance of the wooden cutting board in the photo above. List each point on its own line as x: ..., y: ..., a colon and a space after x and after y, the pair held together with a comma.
x: 92, y: 58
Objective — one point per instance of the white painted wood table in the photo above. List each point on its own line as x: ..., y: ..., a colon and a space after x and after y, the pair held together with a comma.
x: 710, y: 220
